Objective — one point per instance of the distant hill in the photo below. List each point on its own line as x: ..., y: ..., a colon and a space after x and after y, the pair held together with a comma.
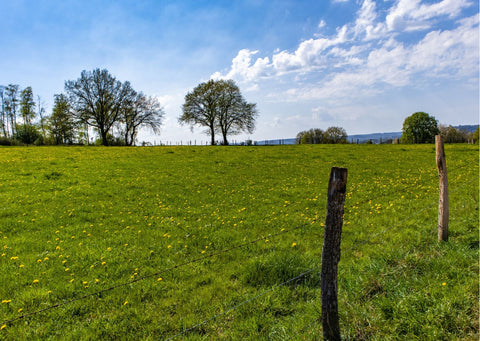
x: 363, y: 138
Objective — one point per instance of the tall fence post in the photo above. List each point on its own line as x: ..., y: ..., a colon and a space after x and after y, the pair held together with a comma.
x: 337, y: 186
x: 443, y: 190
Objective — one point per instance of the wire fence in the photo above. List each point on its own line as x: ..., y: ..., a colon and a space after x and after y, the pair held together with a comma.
x: 344, y: 252
x: 240, y: 246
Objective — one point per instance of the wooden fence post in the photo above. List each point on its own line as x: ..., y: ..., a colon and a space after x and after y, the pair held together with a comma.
x: 443, y: 190
x: 337, y: 186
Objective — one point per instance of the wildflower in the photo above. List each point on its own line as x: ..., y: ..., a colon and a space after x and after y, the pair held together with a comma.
x: 126, y: 302
x: 3, y: 327
x: 35, y: 281
x: 159, y: 279
x: 21, y: 266
x: 109, y: 249
x: 444, y: 283
x: 6, y: 301
x: 13, y: 258
x: 294, y: 244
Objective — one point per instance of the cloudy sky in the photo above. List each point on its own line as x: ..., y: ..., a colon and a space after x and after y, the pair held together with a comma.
x: 361, y: 64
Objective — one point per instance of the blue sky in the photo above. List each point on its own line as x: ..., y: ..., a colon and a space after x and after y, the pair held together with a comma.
x: 361, y: 64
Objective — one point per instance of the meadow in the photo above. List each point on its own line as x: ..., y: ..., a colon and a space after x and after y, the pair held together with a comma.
x: 207, y: 243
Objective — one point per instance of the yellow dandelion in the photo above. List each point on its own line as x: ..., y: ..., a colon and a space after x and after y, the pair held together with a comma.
x: 294, y: 244
x: 3, y: 327
x: 103, y: 263
x: 19, y: 310
x: 169, y: 246
x: 126, y: 302
x: 71, y: 281
x: 444, y: 283
x: 21, y: 266
x: 13, y: 258
x: 159, y: 279
x: 35, y: 281
x: 109, y: 249
x: 6, y: 301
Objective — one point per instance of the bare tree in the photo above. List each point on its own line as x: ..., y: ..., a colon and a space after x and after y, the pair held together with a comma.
x: 98, y: 99
x: 200, y: 108
x: 3, y: 119
x: 27, y: 105
x: 234, y: 113
x: 142, y: 111
x: 219, y: 106
x: 11, y: 104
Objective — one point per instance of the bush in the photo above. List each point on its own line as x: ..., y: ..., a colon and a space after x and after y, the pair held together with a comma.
x: 27, y: 134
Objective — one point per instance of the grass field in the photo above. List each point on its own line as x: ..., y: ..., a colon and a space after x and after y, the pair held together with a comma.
x: 80, y: 220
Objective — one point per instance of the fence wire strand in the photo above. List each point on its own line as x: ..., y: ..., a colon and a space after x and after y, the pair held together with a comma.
x: 161, y: 272
x: 57, y: 305
x: 311, y: 270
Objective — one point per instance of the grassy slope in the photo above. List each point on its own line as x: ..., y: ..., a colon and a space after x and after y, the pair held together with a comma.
x: 78, y: 220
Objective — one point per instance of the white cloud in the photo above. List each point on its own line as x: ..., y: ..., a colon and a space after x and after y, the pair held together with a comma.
x: 365, y: 57
x: 411, y: 15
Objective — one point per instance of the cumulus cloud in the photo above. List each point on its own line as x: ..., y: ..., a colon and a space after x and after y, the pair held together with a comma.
x: 411, y: 15
x: 366, y: 55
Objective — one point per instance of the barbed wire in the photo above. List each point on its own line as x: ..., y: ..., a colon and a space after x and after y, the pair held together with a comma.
x: 309, y: 271
x: 57, y: 305
x: 240, y: 304
x: 161, y: 272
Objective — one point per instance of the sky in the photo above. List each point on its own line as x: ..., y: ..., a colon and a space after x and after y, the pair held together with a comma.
x: 363, y: 65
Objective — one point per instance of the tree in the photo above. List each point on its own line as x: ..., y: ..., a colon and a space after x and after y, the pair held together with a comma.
x: 97, y: 99
x: 419, y: 127
x: 312, y: 136
x: 234, y: 113
x: 41, y: 114
x: 200, y: 108
x: 335, y: 135
x: 452, y: 135
x: 27, y: 106
x: 143, y: 111
x: 62, y: 123
x: 218, y: 106
x: 11, y: 100
x: 475, y: 136
x: 3, y: 113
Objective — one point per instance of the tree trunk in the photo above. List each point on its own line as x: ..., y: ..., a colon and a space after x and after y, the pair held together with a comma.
x: 225, y: 141
x: 212, y: 135
x: 104, y: 137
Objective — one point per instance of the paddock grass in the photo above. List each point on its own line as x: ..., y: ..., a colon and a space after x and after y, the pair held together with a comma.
x: 78, y: 220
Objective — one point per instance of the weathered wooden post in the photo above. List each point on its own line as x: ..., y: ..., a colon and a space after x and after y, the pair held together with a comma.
x: 443, y: 190
x: 337, y: 186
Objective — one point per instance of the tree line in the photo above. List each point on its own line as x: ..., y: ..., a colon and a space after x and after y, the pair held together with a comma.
x: 419, y: 127
x: 332, y: 135
x: 97, y: 102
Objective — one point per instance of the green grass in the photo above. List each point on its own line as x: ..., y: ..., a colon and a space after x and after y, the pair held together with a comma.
x: 76, y: 220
